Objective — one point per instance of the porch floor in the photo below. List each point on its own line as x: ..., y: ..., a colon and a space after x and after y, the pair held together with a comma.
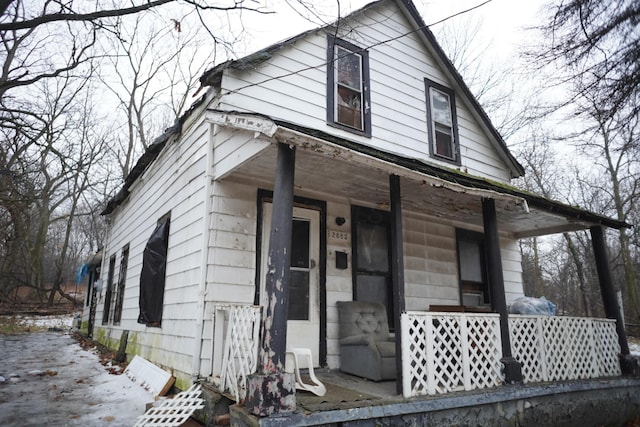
x: 359, y: 402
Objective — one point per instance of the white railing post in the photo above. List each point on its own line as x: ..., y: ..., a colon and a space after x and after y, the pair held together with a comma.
x: 406, y: 354
x: 541, y: 341
x: 464, y: 345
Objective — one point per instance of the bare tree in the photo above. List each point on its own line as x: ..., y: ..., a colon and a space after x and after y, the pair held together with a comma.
x: 495, y: 83
x: 597, y: 42
x: 151, y: 71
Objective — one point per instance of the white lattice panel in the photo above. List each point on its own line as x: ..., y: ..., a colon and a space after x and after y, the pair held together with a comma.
x: 608, y: 347
x: 240, y: 348
x: 485, y: 351
x: 527, y: 346
x: 564, y: 348
x: 445, y: 352
x: 569, y: 348
x: 173, y: 412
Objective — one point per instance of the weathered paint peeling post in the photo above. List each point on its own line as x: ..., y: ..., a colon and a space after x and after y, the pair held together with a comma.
x: 271, y: 390
x: 609, y: 300
x: 512, y: 368
x: 397, y: 269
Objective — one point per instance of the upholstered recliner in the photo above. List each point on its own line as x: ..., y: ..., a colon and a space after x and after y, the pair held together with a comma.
x: 366, y: 347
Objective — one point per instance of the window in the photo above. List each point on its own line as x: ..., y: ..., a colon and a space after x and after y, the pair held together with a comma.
x: 122, y: 279
x: 371, y: 257
x: 152, y: 277
x: 300, y: 270
x: 442, y: 123
x: 348, y: 104
x: 106, y: 314
x: 474, y: 287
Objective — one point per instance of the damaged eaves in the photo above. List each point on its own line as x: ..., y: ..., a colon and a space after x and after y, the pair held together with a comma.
x: 454, y: 176
x: 149, y: 156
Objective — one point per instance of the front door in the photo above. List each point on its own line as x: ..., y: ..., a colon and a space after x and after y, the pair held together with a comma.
x: 303, y: 324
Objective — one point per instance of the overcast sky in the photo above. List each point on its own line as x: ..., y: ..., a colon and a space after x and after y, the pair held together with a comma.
x: 502, y: 21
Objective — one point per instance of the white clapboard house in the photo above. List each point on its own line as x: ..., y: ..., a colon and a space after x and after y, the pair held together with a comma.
x: 364, y: 139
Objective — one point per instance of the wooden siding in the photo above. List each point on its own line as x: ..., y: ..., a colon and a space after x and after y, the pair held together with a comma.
x: 233, y: 148
x: 232, y: 254
x: 173, y: 183
x: 398, y: 100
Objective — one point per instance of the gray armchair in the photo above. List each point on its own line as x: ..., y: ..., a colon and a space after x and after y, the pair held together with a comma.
x: 366, y: 347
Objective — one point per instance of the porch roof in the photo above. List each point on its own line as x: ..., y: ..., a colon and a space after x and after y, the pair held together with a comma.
x: 330, y: 164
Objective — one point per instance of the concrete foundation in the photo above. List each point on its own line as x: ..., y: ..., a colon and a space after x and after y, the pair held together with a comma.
x: 604, y: 402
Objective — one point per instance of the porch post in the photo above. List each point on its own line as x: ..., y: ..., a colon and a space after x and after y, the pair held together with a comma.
x: 611, y: 309
x: 512, y: 368
x: 397, y: 271
x: 271, y: 390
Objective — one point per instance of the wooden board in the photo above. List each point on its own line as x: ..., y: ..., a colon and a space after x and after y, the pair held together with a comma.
x: 154, y: 379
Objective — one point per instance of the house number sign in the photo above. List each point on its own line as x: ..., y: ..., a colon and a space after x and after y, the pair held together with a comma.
x: 338, y: 235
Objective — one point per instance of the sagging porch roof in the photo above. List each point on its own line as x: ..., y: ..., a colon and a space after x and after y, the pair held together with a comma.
x: 326, y: 163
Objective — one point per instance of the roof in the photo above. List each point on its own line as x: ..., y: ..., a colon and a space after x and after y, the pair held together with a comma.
x: 458, y: 177
x: 213, y: 77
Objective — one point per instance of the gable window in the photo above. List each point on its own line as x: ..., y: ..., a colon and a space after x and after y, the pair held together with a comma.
x: 152, y: 277
x: 122, y: 279
x: 348, y: 105
x: 106, y: 313
x: 442, y: 123
x: 474, y: 286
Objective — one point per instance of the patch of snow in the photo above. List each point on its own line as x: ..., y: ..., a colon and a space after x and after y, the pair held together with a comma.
x: 64, y: 384
x: 634, y: 349
x: 61, y: 321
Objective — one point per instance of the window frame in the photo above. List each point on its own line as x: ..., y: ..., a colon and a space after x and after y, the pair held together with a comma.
x: 122, y: 280
x: 108, y: 297
x: 477, y: 238
x: 332, y: 86
x: 431, y: 123
x: 373, y: 217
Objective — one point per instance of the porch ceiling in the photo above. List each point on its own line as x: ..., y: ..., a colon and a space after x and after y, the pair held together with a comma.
x: 326, y: 164
x: 359, y: 179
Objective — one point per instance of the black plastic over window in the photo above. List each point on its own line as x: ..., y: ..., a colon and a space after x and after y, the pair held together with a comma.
x: 152, y: 277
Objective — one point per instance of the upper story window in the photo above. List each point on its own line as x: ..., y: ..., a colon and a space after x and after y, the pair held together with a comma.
x: 442, y: 123
x: 348, y: 104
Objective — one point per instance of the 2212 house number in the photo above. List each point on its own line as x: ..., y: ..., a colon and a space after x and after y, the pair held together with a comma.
x: 338, y: 235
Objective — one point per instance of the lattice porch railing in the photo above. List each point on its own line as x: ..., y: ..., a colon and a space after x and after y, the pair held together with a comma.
x: 445, y: 352
x: 235, y: 353
x: 564, y: 348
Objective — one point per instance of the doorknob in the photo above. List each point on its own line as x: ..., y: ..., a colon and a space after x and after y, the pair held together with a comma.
x: 312, y: 263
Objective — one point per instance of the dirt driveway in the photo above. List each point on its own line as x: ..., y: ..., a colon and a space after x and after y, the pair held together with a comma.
x: 47, y: 379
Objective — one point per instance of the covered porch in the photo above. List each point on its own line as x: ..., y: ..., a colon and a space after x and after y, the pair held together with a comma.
x: 475, y: 351
x: 571, y: 376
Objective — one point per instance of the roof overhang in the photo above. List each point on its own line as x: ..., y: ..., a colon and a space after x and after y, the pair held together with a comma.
x: 328, y: 164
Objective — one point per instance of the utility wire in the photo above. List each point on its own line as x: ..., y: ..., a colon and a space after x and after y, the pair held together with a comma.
x: 312, y: 67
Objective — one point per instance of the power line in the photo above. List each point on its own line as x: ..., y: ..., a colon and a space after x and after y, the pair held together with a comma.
x: 323, y: 64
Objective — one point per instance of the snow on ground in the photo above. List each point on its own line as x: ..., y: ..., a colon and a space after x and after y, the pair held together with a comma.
x: 49, y: 379
x: 634, y: 349
x: 64, y: 321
